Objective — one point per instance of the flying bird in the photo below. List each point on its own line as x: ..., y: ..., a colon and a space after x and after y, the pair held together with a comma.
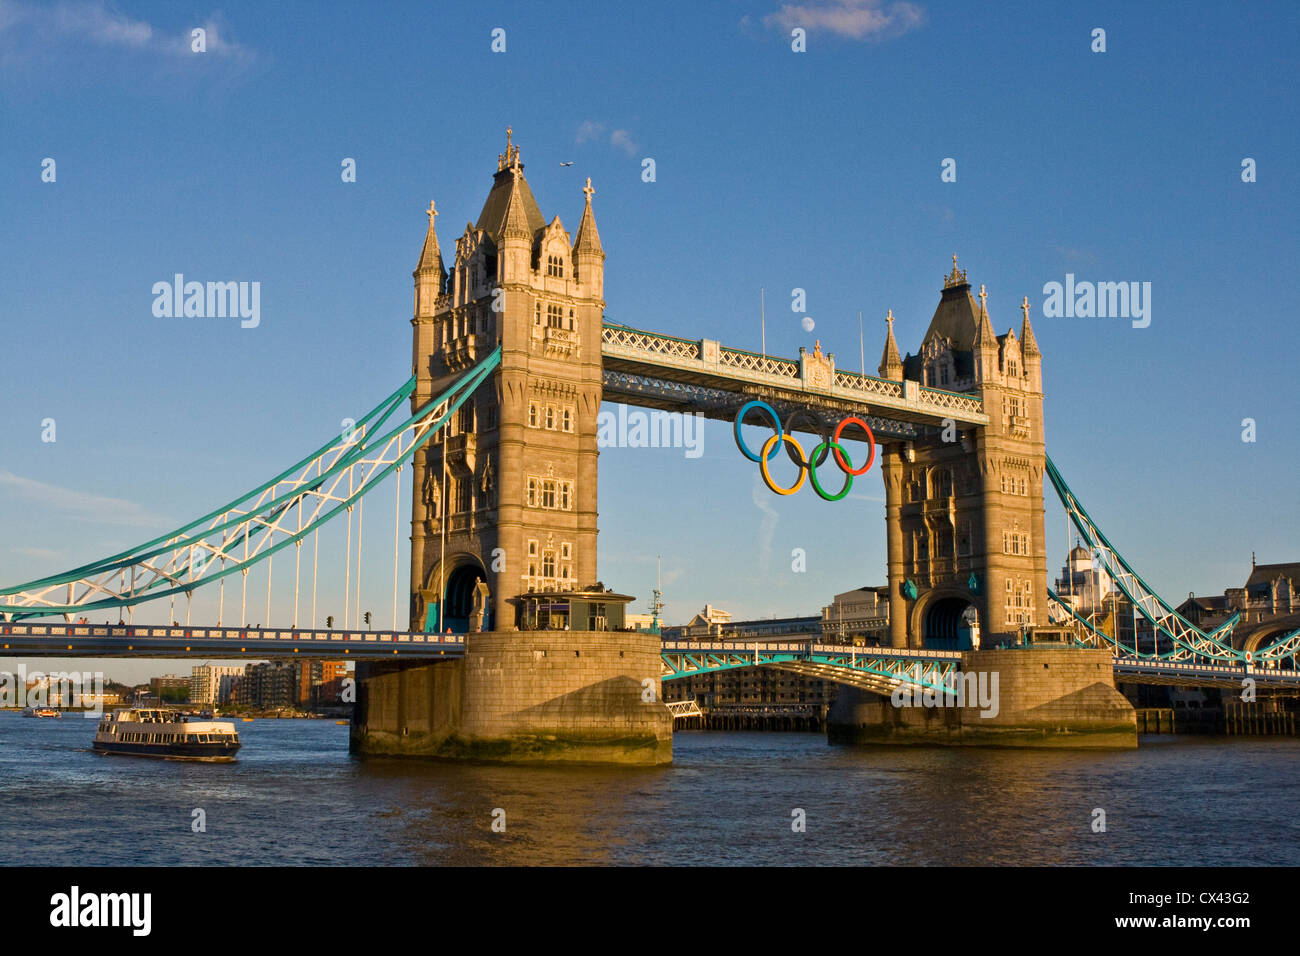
x: 566, y: 164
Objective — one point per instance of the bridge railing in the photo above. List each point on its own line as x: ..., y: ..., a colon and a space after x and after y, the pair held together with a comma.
x: 146, y: 632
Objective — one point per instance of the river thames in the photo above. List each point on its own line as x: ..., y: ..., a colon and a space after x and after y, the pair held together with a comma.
x: 296, y: 797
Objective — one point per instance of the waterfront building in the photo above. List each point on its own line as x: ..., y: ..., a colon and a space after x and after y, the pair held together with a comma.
x: 1084, y: 584
x: 1271, y: 591
x: 205, y: 682
x: 705, y: 626
x: 170, y: 687
x: 857, y: 616
x: 268, y: 686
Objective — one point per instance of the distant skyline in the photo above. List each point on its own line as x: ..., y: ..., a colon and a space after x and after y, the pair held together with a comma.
x: 776, y: 170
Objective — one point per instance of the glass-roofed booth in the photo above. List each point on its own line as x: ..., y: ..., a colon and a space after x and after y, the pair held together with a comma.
x: 591, y: 609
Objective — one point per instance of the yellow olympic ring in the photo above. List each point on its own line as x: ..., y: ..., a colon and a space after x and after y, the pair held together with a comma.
x: 767, y: 476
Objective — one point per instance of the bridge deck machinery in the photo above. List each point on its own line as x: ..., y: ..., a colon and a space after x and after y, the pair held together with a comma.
x: 701, y: 375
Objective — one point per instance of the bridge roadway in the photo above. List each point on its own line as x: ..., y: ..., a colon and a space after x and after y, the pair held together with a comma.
x: 22, y: 639
x: 877, y: 669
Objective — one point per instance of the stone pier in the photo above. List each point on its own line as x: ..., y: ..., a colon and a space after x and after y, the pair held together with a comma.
x: 521, y: 696
x: 1046, y: 697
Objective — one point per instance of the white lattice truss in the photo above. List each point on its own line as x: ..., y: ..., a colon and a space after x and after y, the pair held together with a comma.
x: 685, y: 708
x: 250, y: 529
x: 639, y: 344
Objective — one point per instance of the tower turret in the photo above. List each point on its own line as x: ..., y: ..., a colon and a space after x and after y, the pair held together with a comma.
x: 430, y: 276
x: 1029, y: 348
x: 891, y: 363
x: 985, y: 344
x: 588, y: 254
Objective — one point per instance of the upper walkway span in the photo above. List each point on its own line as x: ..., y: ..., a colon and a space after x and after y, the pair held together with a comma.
x: 701, y: 375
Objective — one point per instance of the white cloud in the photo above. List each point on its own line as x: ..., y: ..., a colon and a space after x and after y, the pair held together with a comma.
x: 622, y: 139
x: 853, y: 19
x: 591, y: 131
x: 79, y: 504
x: 27, y: 27
x: 588, y: 131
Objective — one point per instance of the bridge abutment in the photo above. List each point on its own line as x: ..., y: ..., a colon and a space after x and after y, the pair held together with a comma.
x: 521, y: 697
x: 1042, y: 697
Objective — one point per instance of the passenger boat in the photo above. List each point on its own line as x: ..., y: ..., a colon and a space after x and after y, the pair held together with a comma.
x: 166, y: 734
x: 41, y: 712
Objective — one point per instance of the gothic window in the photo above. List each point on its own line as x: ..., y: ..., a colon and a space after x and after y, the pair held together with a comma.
x: 555, y: 266
x: 537, y: 312
x: 548, y: 564
x: 532, y: 492
x: 568, y: 418
x: 941, y: 483
x: 548, y: 494
x: 550, y: 417
x: 943, y: 375
x: 566, y: 495
x: 570, y: 320
x: 532, y: 414
x: 463, y: 490
x: 1023, y: 486
x: 566, y: 550
x: 532, y: 547
x: 554, y: 316
x: 465, y: 419
x: 945, y: 543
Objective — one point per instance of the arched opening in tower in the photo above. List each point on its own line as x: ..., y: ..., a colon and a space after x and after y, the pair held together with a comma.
x: 951, y: 624
x: 458, y: 602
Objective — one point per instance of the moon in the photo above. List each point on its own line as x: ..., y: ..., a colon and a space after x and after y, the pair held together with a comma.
x: 807, y: 323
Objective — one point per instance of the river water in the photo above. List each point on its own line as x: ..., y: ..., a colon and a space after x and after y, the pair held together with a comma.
x: 295, y: 796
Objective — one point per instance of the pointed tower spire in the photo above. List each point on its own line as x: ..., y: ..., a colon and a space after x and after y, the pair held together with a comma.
x: 891, y: 364
x: 1028, y: 344
x: 588, y: 254
x: 430, y: 276
x: 515, y: 224
x: 588, y: 239
x: 984, y: 337
x: 430, y: 255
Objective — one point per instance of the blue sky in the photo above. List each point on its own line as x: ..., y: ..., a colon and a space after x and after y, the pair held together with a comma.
x: 775, y: 169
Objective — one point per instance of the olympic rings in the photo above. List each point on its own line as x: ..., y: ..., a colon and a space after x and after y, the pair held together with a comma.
x: 740, y: 416
x: 767, y: 476
x: 840, y: 456
x: 807, y: 464
x: 871, y: 440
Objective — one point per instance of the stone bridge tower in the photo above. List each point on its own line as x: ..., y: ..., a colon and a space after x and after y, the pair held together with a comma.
x: 505, y: 500
x: 964, y: 509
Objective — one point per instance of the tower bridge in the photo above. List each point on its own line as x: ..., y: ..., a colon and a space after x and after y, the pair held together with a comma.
x: 511, y: 647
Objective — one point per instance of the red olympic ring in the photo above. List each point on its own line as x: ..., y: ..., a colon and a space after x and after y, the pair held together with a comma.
x: 871, y: 440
